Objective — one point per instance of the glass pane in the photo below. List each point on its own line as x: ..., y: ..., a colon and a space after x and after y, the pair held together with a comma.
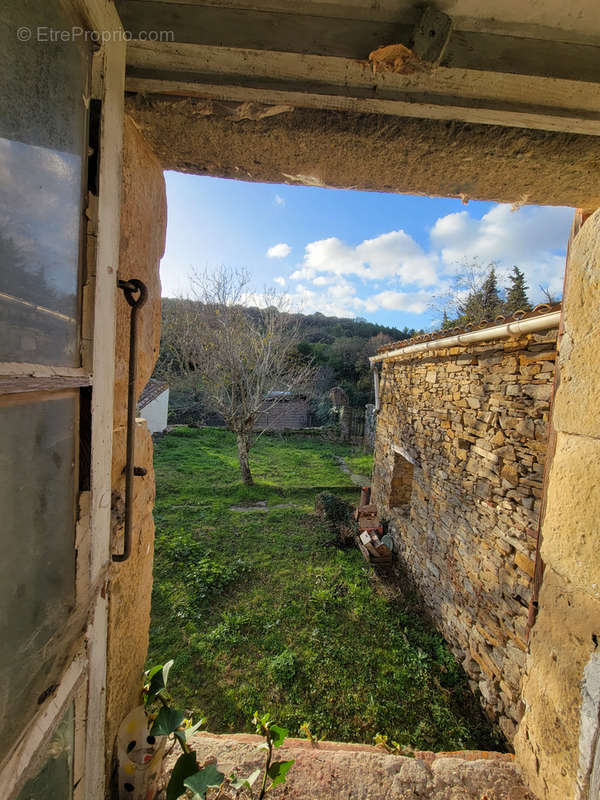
x: 55, y: 778
x: 37, y: 567
x: 43, y: 87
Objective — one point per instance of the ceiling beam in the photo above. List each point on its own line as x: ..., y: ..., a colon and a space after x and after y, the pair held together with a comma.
x: 351, y: 37
x: 334, y: 83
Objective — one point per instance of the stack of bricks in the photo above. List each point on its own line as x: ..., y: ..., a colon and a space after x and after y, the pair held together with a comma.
x: 459, y: 462
x: 370, y: 533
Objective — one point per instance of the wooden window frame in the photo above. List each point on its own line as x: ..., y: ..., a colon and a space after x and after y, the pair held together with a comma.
x: 84, y: 680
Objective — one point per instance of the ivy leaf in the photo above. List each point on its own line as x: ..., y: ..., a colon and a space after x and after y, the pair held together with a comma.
x: 152, y: 671
x: 279, y: 735
x: 240, y: 783
x: 185, y: 766
x: 278, y: 770
x: 158, y: 677
x: 167, y: 721
x: 180, y: 735
x: 207, y: 778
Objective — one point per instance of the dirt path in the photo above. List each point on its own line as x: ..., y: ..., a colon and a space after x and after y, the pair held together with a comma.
x: 358, y: 480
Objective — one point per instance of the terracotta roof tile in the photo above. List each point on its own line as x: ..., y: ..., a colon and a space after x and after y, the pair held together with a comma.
x: 543, y: 308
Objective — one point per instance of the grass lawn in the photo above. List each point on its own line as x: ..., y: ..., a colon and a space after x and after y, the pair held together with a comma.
x: 261, y: 612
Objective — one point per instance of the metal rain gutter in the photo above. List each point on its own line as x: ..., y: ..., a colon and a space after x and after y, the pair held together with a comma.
x: 530, y: 325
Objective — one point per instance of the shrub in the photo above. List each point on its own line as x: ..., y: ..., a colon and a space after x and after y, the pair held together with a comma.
x: 335, y: 510
x: 283, y: 667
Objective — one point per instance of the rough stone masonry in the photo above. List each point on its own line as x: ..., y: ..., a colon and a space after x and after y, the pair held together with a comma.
x: 459, y: 463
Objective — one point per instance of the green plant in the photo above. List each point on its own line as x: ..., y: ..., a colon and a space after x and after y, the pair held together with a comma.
x: 169, y: 721
x: 273, y: 771
x: 333, y: 508
x: 395, y: 748
x: 283, y: 667
x: 187, y: 774
x: 296, y: 593
x: 308, y: 734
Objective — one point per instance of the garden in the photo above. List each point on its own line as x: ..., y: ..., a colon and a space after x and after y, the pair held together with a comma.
x: 263, y: 610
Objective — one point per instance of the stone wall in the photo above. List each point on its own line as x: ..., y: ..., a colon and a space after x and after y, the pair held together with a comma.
x: 142, y: 241
x: 459, y: 463
x: 556, y: 737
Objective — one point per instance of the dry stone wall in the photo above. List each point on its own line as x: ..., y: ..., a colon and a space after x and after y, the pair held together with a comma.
x: 459, y: 463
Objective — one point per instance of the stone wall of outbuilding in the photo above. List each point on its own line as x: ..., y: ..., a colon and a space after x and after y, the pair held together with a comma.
x: 459, y: 463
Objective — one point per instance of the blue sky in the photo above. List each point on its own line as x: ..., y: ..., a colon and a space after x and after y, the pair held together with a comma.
x: 384, y: 257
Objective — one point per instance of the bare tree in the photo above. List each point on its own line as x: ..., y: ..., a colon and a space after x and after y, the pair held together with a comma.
x: 245, y: 356
x: 551, y: 298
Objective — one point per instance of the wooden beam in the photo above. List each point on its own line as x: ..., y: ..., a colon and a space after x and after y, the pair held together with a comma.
x: 383, y: 10
x: 242, y: 27
x: 523, y: 56
x: 307, y: 81
x: 27, y: 384
x: 261, y: 30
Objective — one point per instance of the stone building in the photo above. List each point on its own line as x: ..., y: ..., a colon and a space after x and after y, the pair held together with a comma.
x: 462, y: 433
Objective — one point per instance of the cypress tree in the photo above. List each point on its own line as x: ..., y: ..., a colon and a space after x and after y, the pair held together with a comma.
x: 491, y: 304
x: 516, y: 293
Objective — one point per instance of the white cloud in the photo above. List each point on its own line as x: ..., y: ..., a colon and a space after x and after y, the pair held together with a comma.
x: 279, y: 201
x: 324, y: 280
x: 341, y: 300
x: 534, y: 238
x: 402, y: 301
x: 397, y: 254
x: 303, y: 274
x: 390, y: 255
x: 281, y: 250
x: 280, y: 280
x: 393, y: 272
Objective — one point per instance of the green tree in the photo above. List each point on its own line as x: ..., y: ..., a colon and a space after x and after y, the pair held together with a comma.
x: 483, y: 299
x: 516, y: 293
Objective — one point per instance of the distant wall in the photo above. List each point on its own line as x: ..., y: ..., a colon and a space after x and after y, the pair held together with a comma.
x: 291, y: 414
x: 558, y: 736
x: 156, y: 412
x: 459, y: 461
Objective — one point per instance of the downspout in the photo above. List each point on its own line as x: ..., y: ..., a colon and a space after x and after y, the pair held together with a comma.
x: 529, y: 325
x: 375, y: 372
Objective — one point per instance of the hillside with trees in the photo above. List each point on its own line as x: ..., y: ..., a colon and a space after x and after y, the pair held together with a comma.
x: 339, y: 348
